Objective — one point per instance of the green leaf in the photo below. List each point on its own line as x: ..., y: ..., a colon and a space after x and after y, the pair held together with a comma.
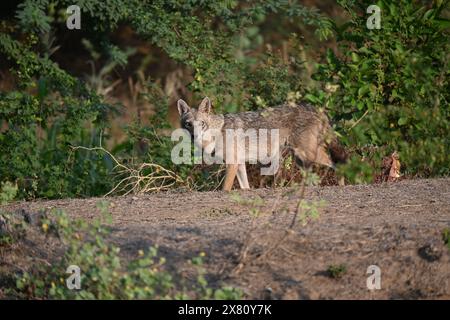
x: 442, y: 23
x: 402, y: 121
x: 428, y: 14
x: 363, y: 90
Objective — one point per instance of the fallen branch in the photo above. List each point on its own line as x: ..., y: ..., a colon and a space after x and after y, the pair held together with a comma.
x: 136, y: 180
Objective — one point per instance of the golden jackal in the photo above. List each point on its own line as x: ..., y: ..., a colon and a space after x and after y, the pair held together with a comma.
x: 297, y: 126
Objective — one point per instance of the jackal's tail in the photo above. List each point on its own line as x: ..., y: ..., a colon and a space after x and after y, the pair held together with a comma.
x: 337, y: 151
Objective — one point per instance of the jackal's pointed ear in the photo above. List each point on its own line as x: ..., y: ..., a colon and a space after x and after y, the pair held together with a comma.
x: 182, y: 107
x: 205, y: 106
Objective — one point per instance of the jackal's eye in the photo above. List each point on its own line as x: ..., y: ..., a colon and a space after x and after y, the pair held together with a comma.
x: 204, y: 125
x: 187, y: 125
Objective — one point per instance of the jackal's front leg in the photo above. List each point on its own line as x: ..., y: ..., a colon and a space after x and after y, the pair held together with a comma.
x: 229, y: 176
x: 242, y: 177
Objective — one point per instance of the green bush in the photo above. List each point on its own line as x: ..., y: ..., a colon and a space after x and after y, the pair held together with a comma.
x: 273, y: 81
x: 8, y: 192
x: 336, y: 271
x: 35, y: 148
x: 388, y: 89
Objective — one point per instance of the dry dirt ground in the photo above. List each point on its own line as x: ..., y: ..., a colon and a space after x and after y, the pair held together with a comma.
x: 395, y: 226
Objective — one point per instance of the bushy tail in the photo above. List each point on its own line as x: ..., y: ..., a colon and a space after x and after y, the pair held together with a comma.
x: 337, y: 152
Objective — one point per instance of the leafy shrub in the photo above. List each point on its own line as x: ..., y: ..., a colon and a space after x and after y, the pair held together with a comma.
x: 34, y: 149
x: 388, y: 89
x: 104, y: 275
x: 12, y: 229
x: 8, y: 192
x: 336, y: 271
x: 446, y: 237
x: 274, y: 81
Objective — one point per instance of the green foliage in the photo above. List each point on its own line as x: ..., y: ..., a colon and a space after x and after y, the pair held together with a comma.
x: 446, y: 237
x: 308, y: 210
x: 32, y: 15
x: 41, y: 126
x: 274, y: 81
x: 357, y: 170
x: 205, y: 292
x: 254, y: 204
x: 8, y: 192
x: 12, y: 229
x: 390, y: 87
x: 336, y: 271
x: 104, y: 275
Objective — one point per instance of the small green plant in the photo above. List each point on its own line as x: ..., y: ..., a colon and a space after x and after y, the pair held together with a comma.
x: 103, y: 273
x: 255, y: 204
x: 8, y: 192
x: 336, y: 271
x: 446, y: 237
x: 308, y: 210
x: 12, y: 229
x: 224, y: 293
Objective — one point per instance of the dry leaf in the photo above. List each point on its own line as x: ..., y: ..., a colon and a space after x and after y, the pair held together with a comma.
x: 394, y: 172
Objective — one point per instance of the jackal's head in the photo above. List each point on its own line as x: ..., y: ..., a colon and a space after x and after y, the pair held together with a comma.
x: 199, y: 122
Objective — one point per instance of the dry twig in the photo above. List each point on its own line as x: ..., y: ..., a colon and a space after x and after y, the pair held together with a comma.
x: 147, y: 177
